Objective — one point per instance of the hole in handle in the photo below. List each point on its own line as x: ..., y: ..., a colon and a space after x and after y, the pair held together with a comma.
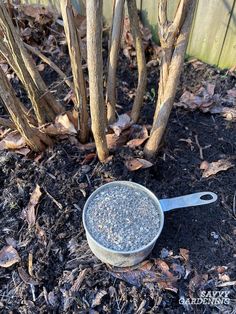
x: 206, y: 197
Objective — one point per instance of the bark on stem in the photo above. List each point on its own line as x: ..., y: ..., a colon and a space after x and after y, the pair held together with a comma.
x: 35, y: 139
x: 118, y: 18
x: 12, y: 47
x: 174, y: 40
x: 73, y: 41
x: 95, y: 69
x: 142, y: 71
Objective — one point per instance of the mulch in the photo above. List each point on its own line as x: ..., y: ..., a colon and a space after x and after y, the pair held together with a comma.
x: 196, y: 250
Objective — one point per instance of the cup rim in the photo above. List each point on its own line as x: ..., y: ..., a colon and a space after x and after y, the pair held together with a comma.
x: 134, y: 185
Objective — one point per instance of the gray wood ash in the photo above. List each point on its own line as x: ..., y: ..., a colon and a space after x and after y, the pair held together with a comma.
x: 122, y: 218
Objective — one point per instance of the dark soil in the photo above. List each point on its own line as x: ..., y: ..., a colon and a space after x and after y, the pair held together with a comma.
x: 67, y: 178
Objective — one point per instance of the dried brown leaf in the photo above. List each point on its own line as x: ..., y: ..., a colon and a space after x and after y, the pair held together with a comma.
x: 88, y: 158
x: 157, y: 271
x: 224, y: 277
x: 29, y: 212
x: 204, y: 165
x: 138, y: 135
x: 12, y: 141
x: 39, y: 13
x: 123, y: 122
x: 138, y: 163
x: 8, y: 256
x: 114, y: 141
x: 62, y: 126
x: 217, y: 166
x: 26, y: 277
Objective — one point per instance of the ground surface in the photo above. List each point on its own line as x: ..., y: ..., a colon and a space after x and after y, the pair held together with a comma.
x: 67, y: 177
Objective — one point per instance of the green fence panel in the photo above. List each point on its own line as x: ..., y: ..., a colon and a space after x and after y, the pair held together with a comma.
x: 210, y: 26
x: 228, y: 55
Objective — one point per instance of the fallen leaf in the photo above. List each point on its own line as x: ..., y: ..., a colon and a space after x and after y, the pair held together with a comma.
x: 62, y: 126
x: 29, y: 212
x: 39, y: 13
x: 135, y: 277
x: 138, y: 163
x: 123, y: 122
x: 157, y: 271
x: 114, y: 141
x: 88, y: 158
x: 8, y: 256
x: 229, y: 113
x: 138, y: 135
x: 26, y: 277
x: 163, y: 266
x: 98, y: 298
x: 217, y: 166
x: 185, y: 254
x: 204, y: 165
x: 224, y: 277
x: 12, y: 141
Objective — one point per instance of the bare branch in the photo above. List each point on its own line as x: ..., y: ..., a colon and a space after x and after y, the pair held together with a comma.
x: 72, y: 37
x: 95, y: 68
x: 142, y: 71
x: 118, y: 15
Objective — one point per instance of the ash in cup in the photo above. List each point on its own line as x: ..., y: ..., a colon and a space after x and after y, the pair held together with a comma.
x: 122, y: 218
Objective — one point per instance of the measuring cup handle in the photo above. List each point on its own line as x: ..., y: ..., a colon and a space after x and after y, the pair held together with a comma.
x: 189, y: 200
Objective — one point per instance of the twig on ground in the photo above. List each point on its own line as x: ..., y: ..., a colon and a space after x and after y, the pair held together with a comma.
x: 200, y: 147
x: 59, y: 205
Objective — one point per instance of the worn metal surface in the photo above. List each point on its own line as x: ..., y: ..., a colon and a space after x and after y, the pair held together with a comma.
x: 124, y: 258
